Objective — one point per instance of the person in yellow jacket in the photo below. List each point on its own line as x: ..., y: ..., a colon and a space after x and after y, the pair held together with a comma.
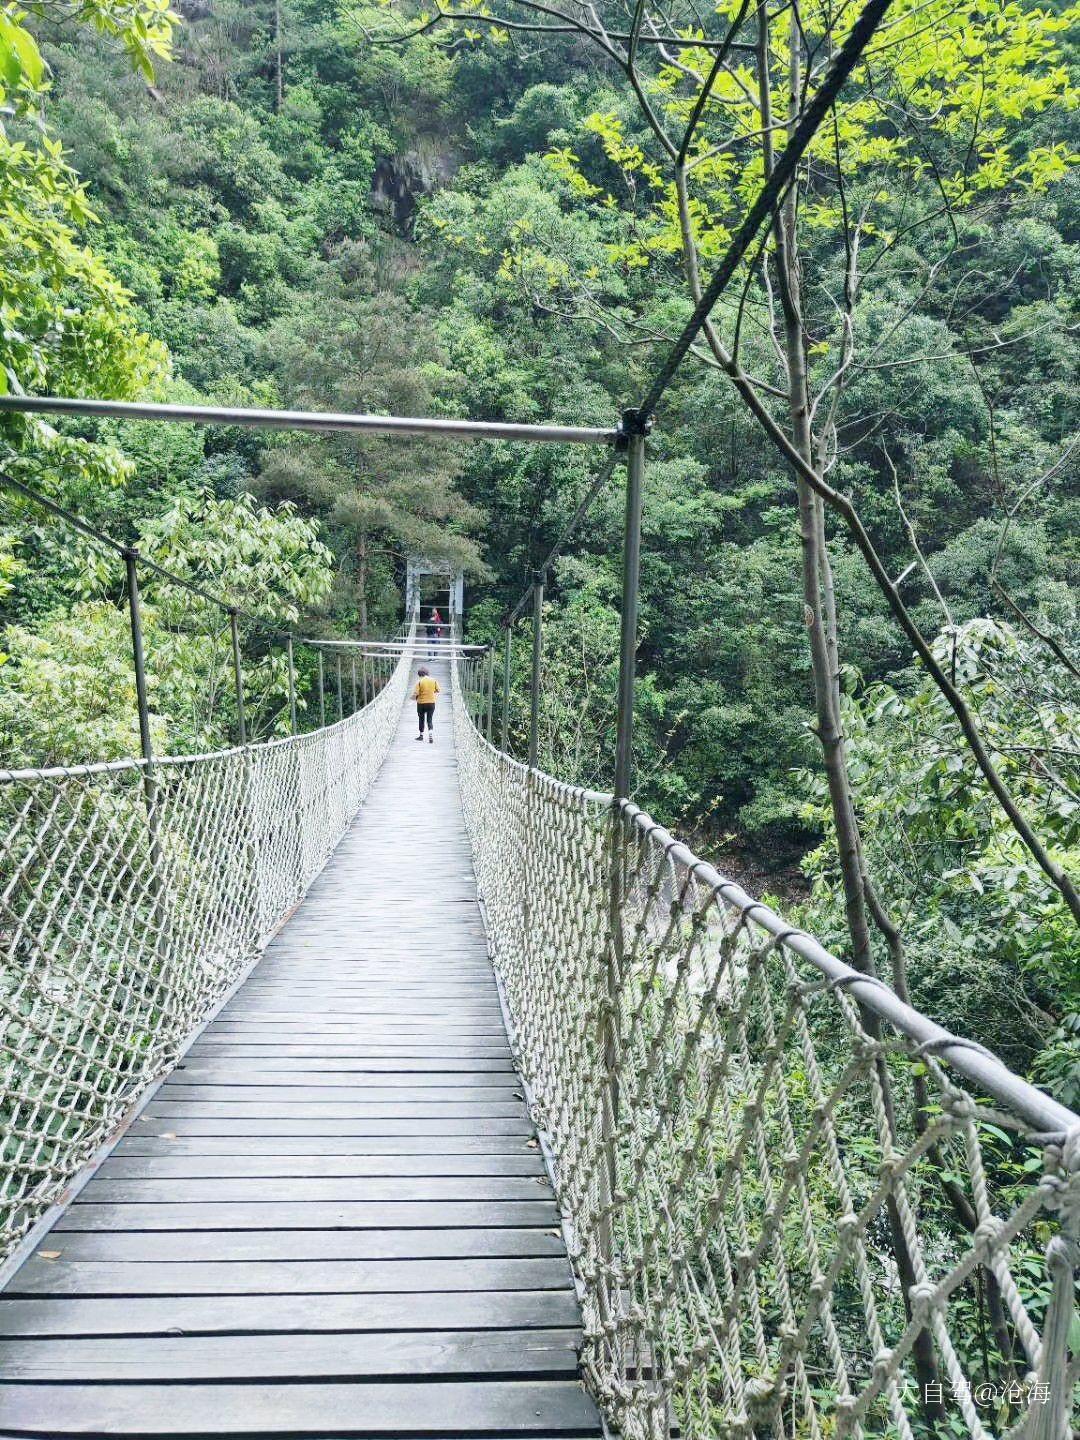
x: 424, y: 694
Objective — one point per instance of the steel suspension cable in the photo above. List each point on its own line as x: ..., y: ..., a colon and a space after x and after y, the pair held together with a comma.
x: 584, y: 504
x: 110, y: 542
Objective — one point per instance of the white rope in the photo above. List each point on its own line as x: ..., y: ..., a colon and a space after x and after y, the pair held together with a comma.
x: 125, y: 916
x: 738, y: 1157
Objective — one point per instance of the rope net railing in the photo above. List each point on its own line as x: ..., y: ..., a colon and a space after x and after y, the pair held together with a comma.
x: 787, y: 1216
x: 132, y: 897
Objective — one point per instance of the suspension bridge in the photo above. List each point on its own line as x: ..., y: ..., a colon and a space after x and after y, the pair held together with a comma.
x: 332, y: 1217
x: 522, y: 1122
x: 358, y: 1088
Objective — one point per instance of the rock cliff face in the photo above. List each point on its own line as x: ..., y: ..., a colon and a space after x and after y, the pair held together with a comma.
x: 400, y: 180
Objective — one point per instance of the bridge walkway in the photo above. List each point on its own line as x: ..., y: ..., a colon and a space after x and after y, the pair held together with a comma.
x: 332, y: 1219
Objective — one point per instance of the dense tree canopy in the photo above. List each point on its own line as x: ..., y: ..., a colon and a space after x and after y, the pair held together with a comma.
x: 394, y: 208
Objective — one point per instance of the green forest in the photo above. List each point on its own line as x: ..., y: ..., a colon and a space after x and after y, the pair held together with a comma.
x: 402, y: 209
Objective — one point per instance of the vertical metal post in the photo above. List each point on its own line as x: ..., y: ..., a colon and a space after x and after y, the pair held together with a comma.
x: 322, y: 693
x: 340, y: 709
x: 490, y: 689
x: 138, y: 658
x: 635, y: 472
x: 537, y: 652
x: 248, y: 808
x: 610, y: 1024
x: 506, y: 689
x: 352, y: 664
x: 142, y: 701
x: 292, y: 688
x: 238, y: 678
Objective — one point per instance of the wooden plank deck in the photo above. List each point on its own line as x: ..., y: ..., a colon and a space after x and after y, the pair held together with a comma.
x: 333, y: 1219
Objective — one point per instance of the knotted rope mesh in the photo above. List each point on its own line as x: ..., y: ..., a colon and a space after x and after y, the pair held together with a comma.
x: 786, y: 1217
x: 131, y: 899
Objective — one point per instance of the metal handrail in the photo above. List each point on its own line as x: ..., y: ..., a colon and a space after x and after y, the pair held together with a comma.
x: 970, y: 1059
x: 699, y: 1066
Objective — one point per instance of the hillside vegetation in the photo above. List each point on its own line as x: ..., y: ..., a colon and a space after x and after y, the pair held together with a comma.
x: 266, y: 203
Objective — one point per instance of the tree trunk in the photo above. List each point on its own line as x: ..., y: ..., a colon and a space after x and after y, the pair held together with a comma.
x: 815, y: 566
x: 819, y: 616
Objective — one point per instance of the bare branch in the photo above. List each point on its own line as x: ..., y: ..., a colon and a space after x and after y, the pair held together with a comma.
x: 914, y: 539
x: 717, y: 66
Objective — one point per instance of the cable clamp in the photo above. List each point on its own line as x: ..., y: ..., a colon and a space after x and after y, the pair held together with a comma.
x: 631, y: 422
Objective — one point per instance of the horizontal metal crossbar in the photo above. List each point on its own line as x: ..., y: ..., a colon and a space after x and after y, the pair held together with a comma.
x: 389, y: 647
x: 438, y: 427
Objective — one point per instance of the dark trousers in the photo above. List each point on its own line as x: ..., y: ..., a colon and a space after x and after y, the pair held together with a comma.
x: 425, y: 712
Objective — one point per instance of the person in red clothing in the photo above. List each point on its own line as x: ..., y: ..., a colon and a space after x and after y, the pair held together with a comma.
x: 434, y: 632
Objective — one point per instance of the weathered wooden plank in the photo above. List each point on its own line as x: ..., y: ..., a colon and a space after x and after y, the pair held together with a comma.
x: 343, y: 1075
x: 384, y: 998
x: 129, y: 1245
x: 311, y: 1002
x: 431, y: 937
x: 292, y: 1314
x: 508, y: 1354
x: 435, y: 1146
x: 366, y: 960
x: 305, y: 940
x: 364, y: 978
x: 337, y: 1018
x: 375, y: 1059
x: 366, y: 1000
x: 160, y: 1167
x: 472, y: 1060
x: 433, y: 1126
x: 457, y: 1407
x: 458, y: 982
x: 351, y: 1011
x: 351, y: 1042
x: 184, y: 1089
x: 361, y: 1027
x: 307, y: 1215
x: 360, y: 1031
x: 377, y: 944
x: 287, y: 1109
x: 297, y: 1189
x: 284, y: 1277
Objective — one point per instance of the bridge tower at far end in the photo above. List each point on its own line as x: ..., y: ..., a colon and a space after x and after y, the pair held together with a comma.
x: 434, y: 582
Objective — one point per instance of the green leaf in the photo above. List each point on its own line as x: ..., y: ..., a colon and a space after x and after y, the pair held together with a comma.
x: 20, y: 57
